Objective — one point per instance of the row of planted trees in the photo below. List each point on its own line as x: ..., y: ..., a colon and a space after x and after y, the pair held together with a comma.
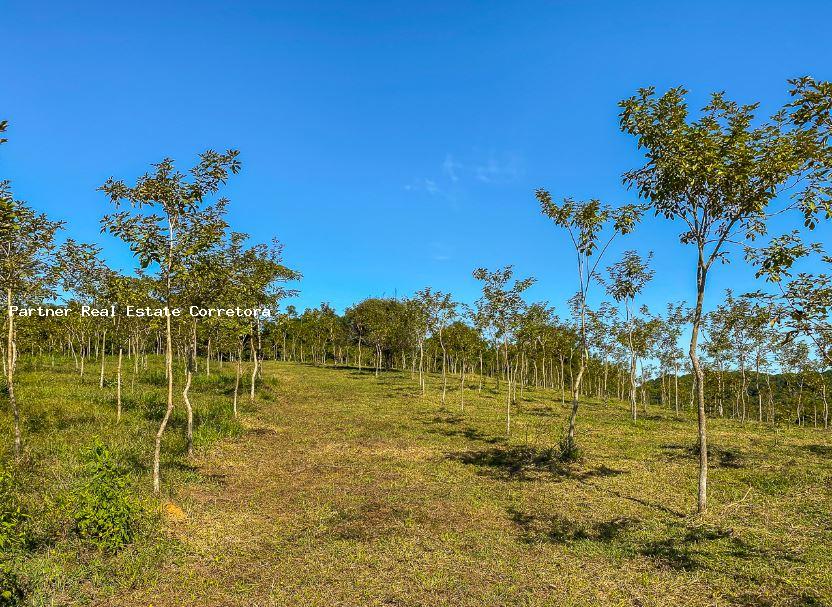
x: 188, y: 256
x: 720, y: 175
x: 753, y: 370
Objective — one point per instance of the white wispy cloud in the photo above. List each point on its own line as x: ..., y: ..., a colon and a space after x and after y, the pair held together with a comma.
x: 424, y: 185
x: 504, y: 169
x: 450, y: 166
x: 449, y: 181
x: 439, y: 251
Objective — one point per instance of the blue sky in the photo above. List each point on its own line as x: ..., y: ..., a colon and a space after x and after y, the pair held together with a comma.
x: 389, y: 145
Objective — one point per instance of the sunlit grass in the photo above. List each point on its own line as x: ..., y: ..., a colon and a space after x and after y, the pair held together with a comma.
x: 343, y: 488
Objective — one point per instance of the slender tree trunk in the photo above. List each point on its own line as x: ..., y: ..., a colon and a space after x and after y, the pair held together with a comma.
x: 189, y: 433
x: 10, y: 363
x: 157, y: 451
x: 508, y: 395
x: 676, y: 386
x: 237, y: 379
x: 462, y: 389
x: 702, y: 495
x: 254, y: 368
x: 444, y: 367
x: 118, y: 387
x: 573, y: 415
x: 169, y: 369
x: 103, y: 352
x: 633, y: 408
x: 422, y: 366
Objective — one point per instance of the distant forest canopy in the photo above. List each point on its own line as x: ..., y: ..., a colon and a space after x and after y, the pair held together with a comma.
x: 718, y: 174
x: 384, y: 334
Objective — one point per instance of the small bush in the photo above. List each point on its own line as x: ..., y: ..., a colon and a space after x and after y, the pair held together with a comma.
x: 105, y: 511
x: 569, y: 452
x: 12, y: 591
x: 13, y: 518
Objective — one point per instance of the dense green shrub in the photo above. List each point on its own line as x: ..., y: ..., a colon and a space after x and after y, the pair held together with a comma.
x: 12, y: 591
x: 105, y: 511
x: 13, y: 518
x: 569, y: 453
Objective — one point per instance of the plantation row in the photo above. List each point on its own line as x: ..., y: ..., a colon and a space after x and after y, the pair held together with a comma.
x: 719, y: 175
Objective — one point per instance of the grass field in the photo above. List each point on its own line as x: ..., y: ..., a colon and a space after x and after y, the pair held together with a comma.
x: 339, y: 488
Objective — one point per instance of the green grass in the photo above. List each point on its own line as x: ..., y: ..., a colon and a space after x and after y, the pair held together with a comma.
x: 340, y: 488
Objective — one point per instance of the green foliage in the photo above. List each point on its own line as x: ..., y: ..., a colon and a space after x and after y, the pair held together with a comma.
x: 13, y: 517
x: 105, y: 511
x: 568, y: 451
x: 12, y: 590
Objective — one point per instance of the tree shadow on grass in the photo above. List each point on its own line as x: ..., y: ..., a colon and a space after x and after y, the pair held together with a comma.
x: 261, y: 432
x: 822, y: 450
x: 520, y: 462
x: 718, y: 457
x: 647, y: 503
x: 37, y: 422
x: 556, y: 529
x: 688, y: 547
x: 793, y: 598
x: 669, y: 554
x: 451, y: 424
x: 544, y: 411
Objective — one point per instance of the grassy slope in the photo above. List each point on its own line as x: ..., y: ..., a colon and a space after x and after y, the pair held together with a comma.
x: 349, y: 490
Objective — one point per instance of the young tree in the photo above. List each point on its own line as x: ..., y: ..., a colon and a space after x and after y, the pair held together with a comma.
x: 27, y: 274
x: 720, y: 175
x: 462, y: 341
x: 156, y: 239
x: 503, y: 305
x: 199, y: 280
x: 84, y: 274
x: 435, y: 310
x: 628, y: 278
x: 592, y: 226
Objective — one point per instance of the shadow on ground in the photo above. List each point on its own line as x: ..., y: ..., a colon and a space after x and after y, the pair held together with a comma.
x: 450, y: 424
x: 554, y: 528
x: 718, y: 457
x: 521, y: 462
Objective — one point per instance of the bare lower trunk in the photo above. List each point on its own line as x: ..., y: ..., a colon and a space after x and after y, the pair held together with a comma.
x: 253, y: 369
x: 444, y: 368
x: 702, y: 495
x: 103, y: 350
x: 189, y: 432
x: 676, y: 386
x: 421, y: 366
x: 573, y: 415
x: 508, y: 395
x: 237, y: 379
x: 118, y: 387
x: 158, y: 446
x: 633, y: 408
x: 10, y: 362
x: 462, y: 389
